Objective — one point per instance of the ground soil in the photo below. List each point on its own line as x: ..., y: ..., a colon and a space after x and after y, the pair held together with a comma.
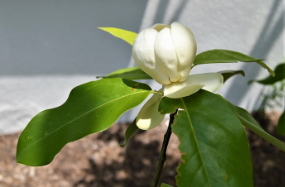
x: 98, y: 161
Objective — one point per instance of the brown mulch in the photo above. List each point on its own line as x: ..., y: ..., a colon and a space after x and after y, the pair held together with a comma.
x: 98, y: 161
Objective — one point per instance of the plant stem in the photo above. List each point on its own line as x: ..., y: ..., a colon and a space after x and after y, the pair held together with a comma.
x: 162, y: 156
x: 157, y: 92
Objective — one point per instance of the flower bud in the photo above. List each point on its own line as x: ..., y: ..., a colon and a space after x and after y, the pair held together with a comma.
x: 166, y: 53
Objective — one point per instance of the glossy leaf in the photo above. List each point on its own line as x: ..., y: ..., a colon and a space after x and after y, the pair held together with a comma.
x: 228, y: 74
x: 130, y: 132
x: 213, y: 142
x: 165, y: 185
x: 134, y: 73
x: 127, y: 36
x: 226, y: 56
x: 90, y: 108
x: 279, y: 76
x: 248, y: 121
x: 281, y: 125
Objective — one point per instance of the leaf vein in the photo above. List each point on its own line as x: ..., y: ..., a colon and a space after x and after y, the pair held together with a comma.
x: 191, y: 126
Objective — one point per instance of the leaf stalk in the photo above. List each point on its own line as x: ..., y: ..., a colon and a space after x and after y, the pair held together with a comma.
x: 156, y: 92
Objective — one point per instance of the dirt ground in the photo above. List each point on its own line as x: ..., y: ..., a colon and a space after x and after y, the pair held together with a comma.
x: 98, y: 161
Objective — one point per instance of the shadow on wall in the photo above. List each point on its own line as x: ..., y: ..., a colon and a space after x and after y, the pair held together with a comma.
x: 161, y: 11
x: 270, y: 32
x: 61, y: 37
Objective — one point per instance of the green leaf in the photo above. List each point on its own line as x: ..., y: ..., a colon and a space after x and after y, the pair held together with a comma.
x: 279, y: 76
x: 125, y: 35
x: 213, y: 142
x: 134, y: 73
x: 226, y: 56
x: 281, y: 125
x: 165, y: 185
x: 229, y: 73
x: 248, y: 121
x: 90, y: 108
x: 130, y: 132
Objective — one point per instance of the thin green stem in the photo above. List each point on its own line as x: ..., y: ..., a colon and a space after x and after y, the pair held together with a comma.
x: 162, y: 156
x: 156, y: 92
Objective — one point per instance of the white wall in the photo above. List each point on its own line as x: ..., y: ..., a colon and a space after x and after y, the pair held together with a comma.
x: 47, y: 47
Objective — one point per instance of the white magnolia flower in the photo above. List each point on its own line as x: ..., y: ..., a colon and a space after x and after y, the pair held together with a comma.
x: 166, y: 53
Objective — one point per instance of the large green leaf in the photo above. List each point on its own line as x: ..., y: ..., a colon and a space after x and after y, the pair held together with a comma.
x: 248, y: 121
x: 228, y: 74
x: 213, y: 142
x: 281, y: 125
x: 279, y: 76
x: 125, y: 35
x: 130, y: 132
x: 226, y: 56
x: 134, y: 73
x: 90, y: 108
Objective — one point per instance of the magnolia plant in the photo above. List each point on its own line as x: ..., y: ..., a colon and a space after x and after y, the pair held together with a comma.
x: 213, y: 143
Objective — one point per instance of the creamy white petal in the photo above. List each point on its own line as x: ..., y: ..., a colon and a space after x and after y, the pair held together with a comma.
x: 207, y: 81
x: 185, y: 46
x: 159, y: 26
x: 143, y: 54
x: 211, y: 81
x: 165, y: 54
x: 180, y: 91
x: 149, y: 117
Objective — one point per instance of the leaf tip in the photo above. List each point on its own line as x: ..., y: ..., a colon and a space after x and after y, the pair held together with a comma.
x: 103, y: 29
x: 251, y: 81
x: 123, y: 144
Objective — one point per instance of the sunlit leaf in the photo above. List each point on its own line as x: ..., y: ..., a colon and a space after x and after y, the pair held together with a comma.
x: 125, y: 35
x: 134, y: 73
x: 90, y: 108
x: 281, y: 125
x: 279, y: 76
x: 226, y: 56
x: 229, y: 73
x: 213, y: 142
x: 130, y: 132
